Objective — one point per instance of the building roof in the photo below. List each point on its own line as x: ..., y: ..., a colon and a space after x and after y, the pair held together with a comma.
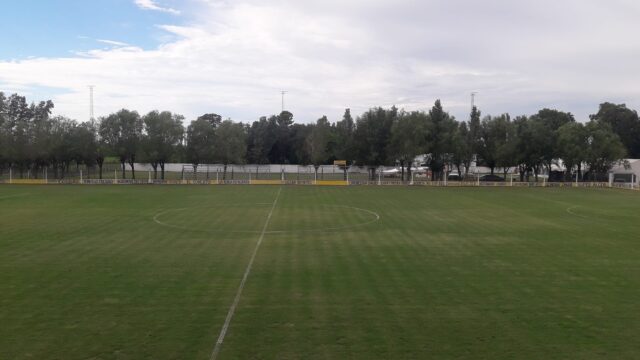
x: 629, y: 166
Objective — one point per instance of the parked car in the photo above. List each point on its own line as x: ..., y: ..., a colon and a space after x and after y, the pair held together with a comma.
x: 454, y: 176
x: 492, y: 178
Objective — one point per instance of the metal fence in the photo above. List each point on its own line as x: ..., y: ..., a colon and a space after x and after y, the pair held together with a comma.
x: 209, y: 174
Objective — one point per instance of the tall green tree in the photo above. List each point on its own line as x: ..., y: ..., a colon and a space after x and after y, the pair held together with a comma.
x: 201, y: 138
x: 624, y: 122
x: 545, y: 125
x: 407, y: 139
x: 300, y: 134
x: 474, y: 138
x: 497, y: 143
x: 213, y: 119
x: 231, y: 144
x: 163, y: 133
x: 572, y: 147
x: 345, y: 129
x: 506, y: 156
x: 371, y: 137
x: 493, y: 132
x: 318, y: 143
x: 441, y: 128
x: 101, y: 148
x: 604, y: 148
x: 122, y: 133
x: 261, y: 139
x: 527, y: 151
x: 24, y: 130
x: 62, y: 144
x: 463, y: 150
x: 85, y: 145
x: 280, y: 152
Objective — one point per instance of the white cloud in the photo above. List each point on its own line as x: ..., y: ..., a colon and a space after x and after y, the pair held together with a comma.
x: 112, y: 42
x: 151, y: 5
x: 233, y: 58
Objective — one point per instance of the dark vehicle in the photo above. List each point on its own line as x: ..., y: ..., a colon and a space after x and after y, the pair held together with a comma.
x: 454, y: 177
x: 493, y: 178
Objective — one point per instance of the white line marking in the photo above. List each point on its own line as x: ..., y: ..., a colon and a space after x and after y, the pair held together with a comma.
x: 376, y: 217
x: 236, y: 300
x: 570, y: 211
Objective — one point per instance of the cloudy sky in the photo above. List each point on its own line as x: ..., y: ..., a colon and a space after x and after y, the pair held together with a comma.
x: 233, y: 57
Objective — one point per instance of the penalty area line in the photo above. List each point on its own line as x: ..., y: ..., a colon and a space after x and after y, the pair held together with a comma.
x: 236, y: 300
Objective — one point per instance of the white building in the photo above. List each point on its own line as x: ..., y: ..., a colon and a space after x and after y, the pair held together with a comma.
x: 628, y: 171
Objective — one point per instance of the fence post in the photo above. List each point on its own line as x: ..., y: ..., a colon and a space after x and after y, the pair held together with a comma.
x: 380, y: 176
x: 10, y: 175
x: 81, y: 177
x: 610, y: 179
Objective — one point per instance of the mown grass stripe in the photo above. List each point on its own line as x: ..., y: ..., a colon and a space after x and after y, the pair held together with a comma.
x: 236, y: 300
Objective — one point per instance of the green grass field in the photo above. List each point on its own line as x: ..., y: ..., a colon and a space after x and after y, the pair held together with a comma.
x: 125, y: 272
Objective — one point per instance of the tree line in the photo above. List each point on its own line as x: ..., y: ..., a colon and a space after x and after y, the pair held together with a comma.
x: 31, y: 139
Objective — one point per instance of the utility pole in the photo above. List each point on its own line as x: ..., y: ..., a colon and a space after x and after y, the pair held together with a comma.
x: 91, y: 113
x: 283, y: 92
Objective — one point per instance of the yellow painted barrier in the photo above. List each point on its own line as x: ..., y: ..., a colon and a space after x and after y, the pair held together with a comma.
x: 213, y: 182
x: 28, y: 182
x: 331, y: 183
x: 267, y: 182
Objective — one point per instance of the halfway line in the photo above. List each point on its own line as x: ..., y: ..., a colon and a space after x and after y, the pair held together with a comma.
x: 236, y: 300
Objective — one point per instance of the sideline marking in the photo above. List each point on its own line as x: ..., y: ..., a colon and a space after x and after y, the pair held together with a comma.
x: 236, y: 300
